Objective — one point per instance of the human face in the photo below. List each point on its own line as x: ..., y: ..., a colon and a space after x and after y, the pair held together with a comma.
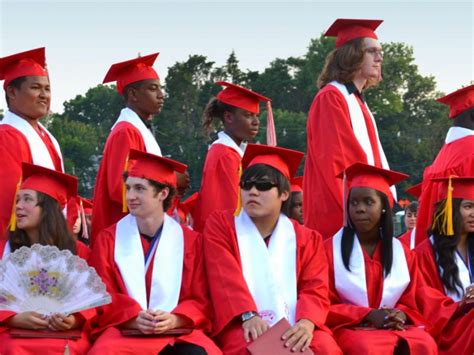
x: 148, y: 99
x: 467, y: 215
x: 28, y: 212
x: 76, y: 228
x: 262, y: 204
x: 365, y: 209
x: 410, y: 220
x: 297, y: 206
x: 142, y: 199
x: 241, y: 124
x: 32, y: 100
x: 371, y: 66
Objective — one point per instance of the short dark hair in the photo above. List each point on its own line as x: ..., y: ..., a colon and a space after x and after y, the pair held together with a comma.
x: 16, y: 83
x: 465, y: 119
x: 135, y: 86
x: 158, y: 186
x: 53, y: 227
x: 259, y: 171
x: 412, y: 207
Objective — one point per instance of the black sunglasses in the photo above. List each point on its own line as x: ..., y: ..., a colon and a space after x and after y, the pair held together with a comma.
x: 259, y: 185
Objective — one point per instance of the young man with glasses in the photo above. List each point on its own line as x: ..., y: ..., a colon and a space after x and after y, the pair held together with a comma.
x: 262, y: 266
x: 341, y: 130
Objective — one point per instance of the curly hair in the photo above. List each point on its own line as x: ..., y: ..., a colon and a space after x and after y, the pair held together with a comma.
x: 214, y: 110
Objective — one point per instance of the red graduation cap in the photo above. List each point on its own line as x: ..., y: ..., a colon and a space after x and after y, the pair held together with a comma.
x: 189, y: 204
x: 53, y: 183
x: 415, y: 190
x: 297, y: 184
x: 29, y: 63
x: 459, y: 187
x: 459, y: 101
x: 284, y: 160
x: 241, y: 97
x: 86, y: 204
x: 153, y: 167
x: 346, y: 30
x: 364, y: 175
x: 131, y: 71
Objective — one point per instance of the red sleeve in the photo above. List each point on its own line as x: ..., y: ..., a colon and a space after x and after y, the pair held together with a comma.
x: 229, y: 292
x: 340, y: 314
x: 14, y: 149
x: 220, y: 183
x: 194, y: 302
x: 332, y: 146
x: 313, y: 298
x: 123, y: 307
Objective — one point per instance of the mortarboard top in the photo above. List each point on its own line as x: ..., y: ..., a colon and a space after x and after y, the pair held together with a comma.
x: 284, y: 160
x: 153, y: 167
x: 346, y: 30
x: 415, y: 190
x: 241, y: 97
x: 131, y: 71
x: 297, y: 184
x: 364, y: 175
x: 29, y: 63
x: 53, y: 183
x: 459, y: 101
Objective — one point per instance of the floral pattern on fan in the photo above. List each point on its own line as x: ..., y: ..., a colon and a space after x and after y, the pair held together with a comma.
x: 47, y: 280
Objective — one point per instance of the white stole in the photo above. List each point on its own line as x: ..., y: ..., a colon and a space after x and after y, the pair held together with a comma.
x: 167, y: 267
x: 7, y: 250
x: 456, y: 133
x: 360, y: 129
x: 463, y: 276
x: 128, y: 115
x: 270, y: 273
x: 38, y: 149
x: 224, y: 139
x: 352, y: 285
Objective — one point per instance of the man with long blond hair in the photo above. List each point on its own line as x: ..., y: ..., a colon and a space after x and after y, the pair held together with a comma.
x: 341, y: 129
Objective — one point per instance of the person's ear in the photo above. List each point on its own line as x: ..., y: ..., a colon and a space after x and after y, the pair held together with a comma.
x: 228, y: 117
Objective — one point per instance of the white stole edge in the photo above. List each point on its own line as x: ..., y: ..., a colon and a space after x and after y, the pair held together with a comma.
x: 224, y: 139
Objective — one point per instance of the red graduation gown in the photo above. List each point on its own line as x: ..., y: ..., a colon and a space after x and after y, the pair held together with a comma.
x: 331, y: 147
x: 107, y: 208
x: 231, y: 296
x: 455, y: 158
x: 15, y: 149
x: 219, y: 184
x: 453, y: 335
x: 405, y: 238
x: 25, y: 346
x: 193, y: 301
x: 343, y: 318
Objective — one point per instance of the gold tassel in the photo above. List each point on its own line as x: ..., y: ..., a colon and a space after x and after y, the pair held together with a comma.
x: 445, y: 217
x: 12, y: 223
x: 124, y: 190
x: 239, y: 199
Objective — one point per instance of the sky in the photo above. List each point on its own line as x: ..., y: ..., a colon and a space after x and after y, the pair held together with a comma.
x: 83, y: 38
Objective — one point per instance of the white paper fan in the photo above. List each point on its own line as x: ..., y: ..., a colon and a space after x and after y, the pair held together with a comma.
x: 47, y: 280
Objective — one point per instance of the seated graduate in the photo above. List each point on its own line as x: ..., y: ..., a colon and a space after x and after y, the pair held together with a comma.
x: 372, y: 276
x: 262, y: 266
x: 410, y: 218
x: 154, y: 270
x: 446, y: 261
x: 38, y: 218
x: 295, y: 202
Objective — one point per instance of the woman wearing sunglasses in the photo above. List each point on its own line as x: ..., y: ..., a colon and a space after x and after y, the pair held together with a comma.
x: 446, y: 261
x: 262, y: 266
x: 237, y: 109
x: 373, y: 277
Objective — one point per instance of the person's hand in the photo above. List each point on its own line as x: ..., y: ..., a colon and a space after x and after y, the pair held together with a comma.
x: 144, y: 322
x: 28, y: 320
x: 165, y: 321
x: 183, y: 182
x: 254, y: 327
x: 386, y: 319
x: 299, y: 336
x: 468, y: 296
x: 61, y: 322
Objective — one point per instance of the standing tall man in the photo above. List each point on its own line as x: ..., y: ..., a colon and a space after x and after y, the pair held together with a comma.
x: 341, y: 129
x: 22, y: 137
x: 456, y: 157
x: 140, y: 86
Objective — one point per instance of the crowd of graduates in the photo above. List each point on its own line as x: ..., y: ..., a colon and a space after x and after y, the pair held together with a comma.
x: 213, y: 273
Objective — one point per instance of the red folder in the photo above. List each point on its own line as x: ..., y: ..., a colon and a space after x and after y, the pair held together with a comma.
x: 271, y: 343
x: 43, y: 333
x: 137, y: 333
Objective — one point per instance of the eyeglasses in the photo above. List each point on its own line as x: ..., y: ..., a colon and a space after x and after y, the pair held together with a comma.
x: 259, y: 185
x: 374, y: 52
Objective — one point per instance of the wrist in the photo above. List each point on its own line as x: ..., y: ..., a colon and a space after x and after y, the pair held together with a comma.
x: 247, y: 316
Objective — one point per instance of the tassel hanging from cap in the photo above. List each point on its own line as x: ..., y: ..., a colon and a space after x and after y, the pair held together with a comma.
x: 12, y: 222
x: 445, y: 216
x: 124, y: 189
x: 271, y: 135
x: 239, y: 199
